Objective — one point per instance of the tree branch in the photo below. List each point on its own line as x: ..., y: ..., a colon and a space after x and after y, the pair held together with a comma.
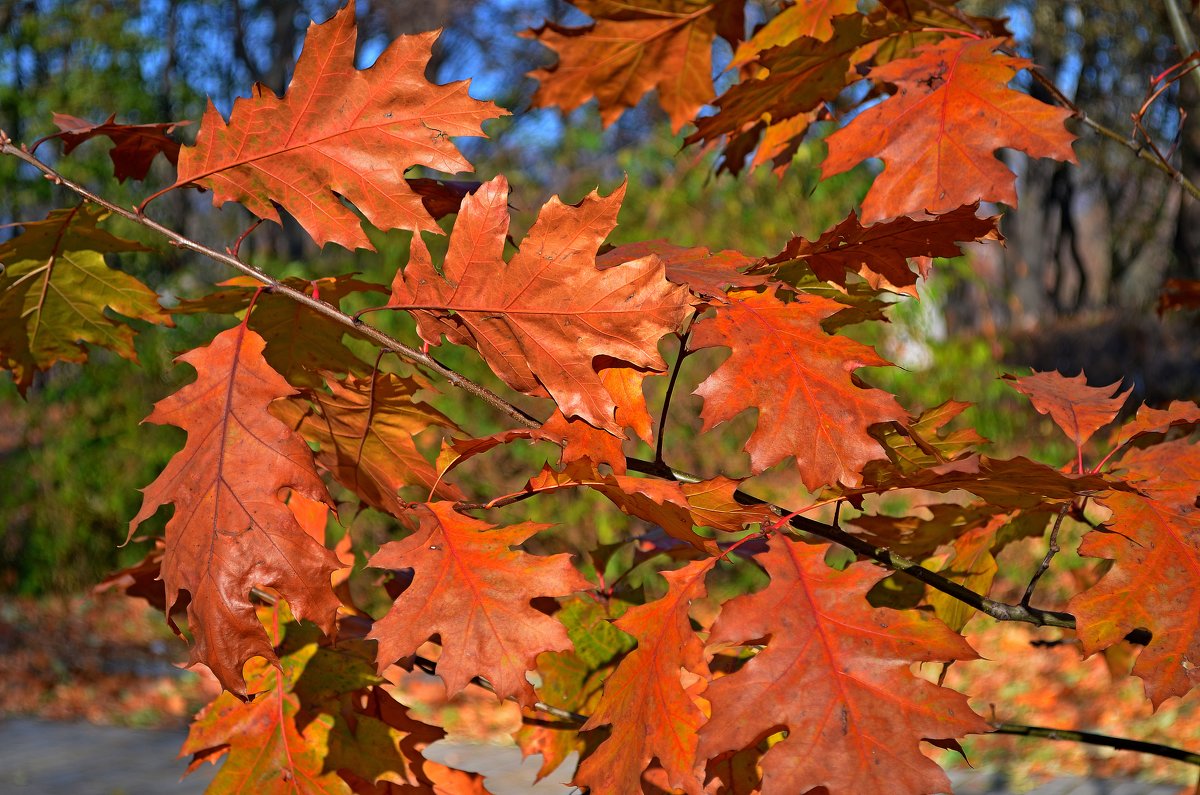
x: 1090, y: 738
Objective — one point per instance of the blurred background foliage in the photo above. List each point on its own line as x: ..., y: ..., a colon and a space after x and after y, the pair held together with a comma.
x: 1088, y: 249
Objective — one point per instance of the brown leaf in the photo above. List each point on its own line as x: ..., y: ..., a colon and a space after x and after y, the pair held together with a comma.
x: 364, y: 429
x: 338, y: 132
x: 542, y: 319
x: 881, y: 253
x: 633, y: 48
x: 231, y: 530
x: 473, y: 588
x: 938, y: 134
x: 135, y: 145
x: 834, y: 673
x: 799, y: 378
x: 653, y: 713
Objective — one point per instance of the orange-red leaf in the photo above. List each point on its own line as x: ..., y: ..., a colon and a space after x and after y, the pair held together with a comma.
x: 1150, y: 420
x: 812, y: 19
x: 705, y: 274
x: 473, y: 588
x: 650, y: 699
x: 338, y: 132
x: 834, y: 673
x: 231, y: 530
x: 364, y: 429
x: 542, y: 319
x: 1154, y: 539
x: 135, y: 145
x: 800, y: 380
x: 938, y: 134
x: 1078, y: 409
x: 881, y: 253
x: 633, y: 48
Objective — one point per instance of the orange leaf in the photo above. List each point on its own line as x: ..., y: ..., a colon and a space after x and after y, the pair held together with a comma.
x: 705, y: 274
x: 231, y: 530
x: 1150, y: 420
x: 135, y: 145
x: 471, y: 587
x: 1078, y: 409
x: 799, y: 378
x: 364, y: 428
x: 813, y: 19
x: 835, y: 674
x: 652, y: 712
x: 939, y: 132
x: 1154, y: 539
x: 633, y: 48
x: 540, y: 320
x: 338, y: 132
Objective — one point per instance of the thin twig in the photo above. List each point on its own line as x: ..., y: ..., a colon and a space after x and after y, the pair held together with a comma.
x: 1051, y: 551
x: 1091, y: 738
x: 328, y: 310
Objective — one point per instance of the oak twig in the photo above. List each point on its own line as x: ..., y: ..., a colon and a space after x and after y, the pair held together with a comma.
x: 1051, y: 551
x: 666, y: 404
x: 1091, y: 738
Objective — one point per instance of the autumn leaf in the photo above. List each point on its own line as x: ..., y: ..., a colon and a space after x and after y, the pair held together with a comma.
x: 706, y: 274
x: 338, y: 132
x: 269, y: 750
x: 1154, y: 540
x: 632, y: 48
x: 471, y: 587
x: 1078, y: 409
x: 231, y: 530
x: 542, y: 319
x: 55, y: 290
x: 811, y: 19
x: 134, y: 145
x: 834, y: 673
x: 1180, y: 414
x: 800, y: 380
x: 938, y: 134
x: 660, y: 502
x: 880, y: 254
x: 650, y: 699
x: 364, y: 429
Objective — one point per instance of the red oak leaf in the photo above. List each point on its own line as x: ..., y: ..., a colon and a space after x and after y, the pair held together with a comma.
x: 231, y: 530
x: 541, y: 320
x: 338, y: 132
x: 471, y: 587
x: 648, y: 700
x: 800, y: 380
x: 835, y: 673
x: 938, y: 134
x: 1078, y: 409
x: 1154, y: 540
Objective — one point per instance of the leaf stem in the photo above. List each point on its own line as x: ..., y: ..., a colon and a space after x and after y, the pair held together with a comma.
x: 666, y: 405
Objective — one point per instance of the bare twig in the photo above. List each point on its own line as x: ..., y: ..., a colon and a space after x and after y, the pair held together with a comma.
x: 1091, y: 738
x: 273, y: 285
x: 1051, y: 551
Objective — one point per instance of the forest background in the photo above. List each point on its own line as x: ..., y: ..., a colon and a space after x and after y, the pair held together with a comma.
x: 1087, y: 255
